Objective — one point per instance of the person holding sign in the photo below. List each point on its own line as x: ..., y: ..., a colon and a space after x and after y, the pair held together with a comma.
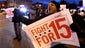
x: 53, y: 30
x: 54, y: 7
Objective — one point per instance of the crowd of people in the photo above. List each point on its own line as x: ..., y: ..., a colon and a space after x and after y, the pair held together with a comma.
x: 38, y: 12
x: 78, y: 16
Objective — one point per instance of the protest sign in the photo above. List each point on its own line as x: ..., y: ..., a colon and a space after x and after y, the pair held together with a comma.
x: 9, y: 12
x: 51, y: 30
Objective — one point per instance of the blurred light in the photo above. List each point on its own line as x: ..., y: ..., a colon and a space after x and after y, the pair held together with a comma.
x: 82, y: 8
x: 26, y: 17
x: 21, y: 6
x: 24, y: 10
x: 83, y: 2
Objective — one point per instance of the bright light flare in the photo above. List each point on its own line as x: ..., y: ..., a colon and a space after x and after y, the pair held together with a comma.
x: 23, y: 10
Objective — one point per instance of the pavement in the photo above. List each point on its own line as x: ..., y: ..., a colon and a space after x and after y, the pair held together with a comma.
x: 7, y: 34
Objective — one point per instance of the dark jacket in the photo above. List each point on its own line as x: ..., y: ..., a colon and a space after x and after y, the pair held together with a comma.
x: 17, y: 16
x: 79, y: 20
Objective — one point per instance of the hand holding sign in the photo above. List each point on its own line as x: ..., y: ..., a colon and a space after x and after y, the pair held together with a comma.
x: 51, y: 29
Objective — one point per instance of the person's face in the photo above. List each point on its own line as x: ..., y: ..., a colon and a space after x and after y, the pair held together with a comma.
x: 52, y: 8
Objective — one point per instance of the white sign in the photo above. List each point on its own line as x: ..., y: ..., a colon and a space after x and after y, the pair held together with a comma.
x: 51, y: 30
x: 9, y: 12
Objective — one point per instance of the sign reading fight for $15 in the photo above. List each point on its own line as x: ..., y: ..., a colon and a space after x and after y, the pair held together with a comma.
x: 49, y: 31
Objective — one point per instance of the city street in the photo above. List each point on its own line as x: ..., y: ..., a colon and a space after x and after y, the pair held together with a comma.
x: 7, y: 34
x: 45, y: 23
